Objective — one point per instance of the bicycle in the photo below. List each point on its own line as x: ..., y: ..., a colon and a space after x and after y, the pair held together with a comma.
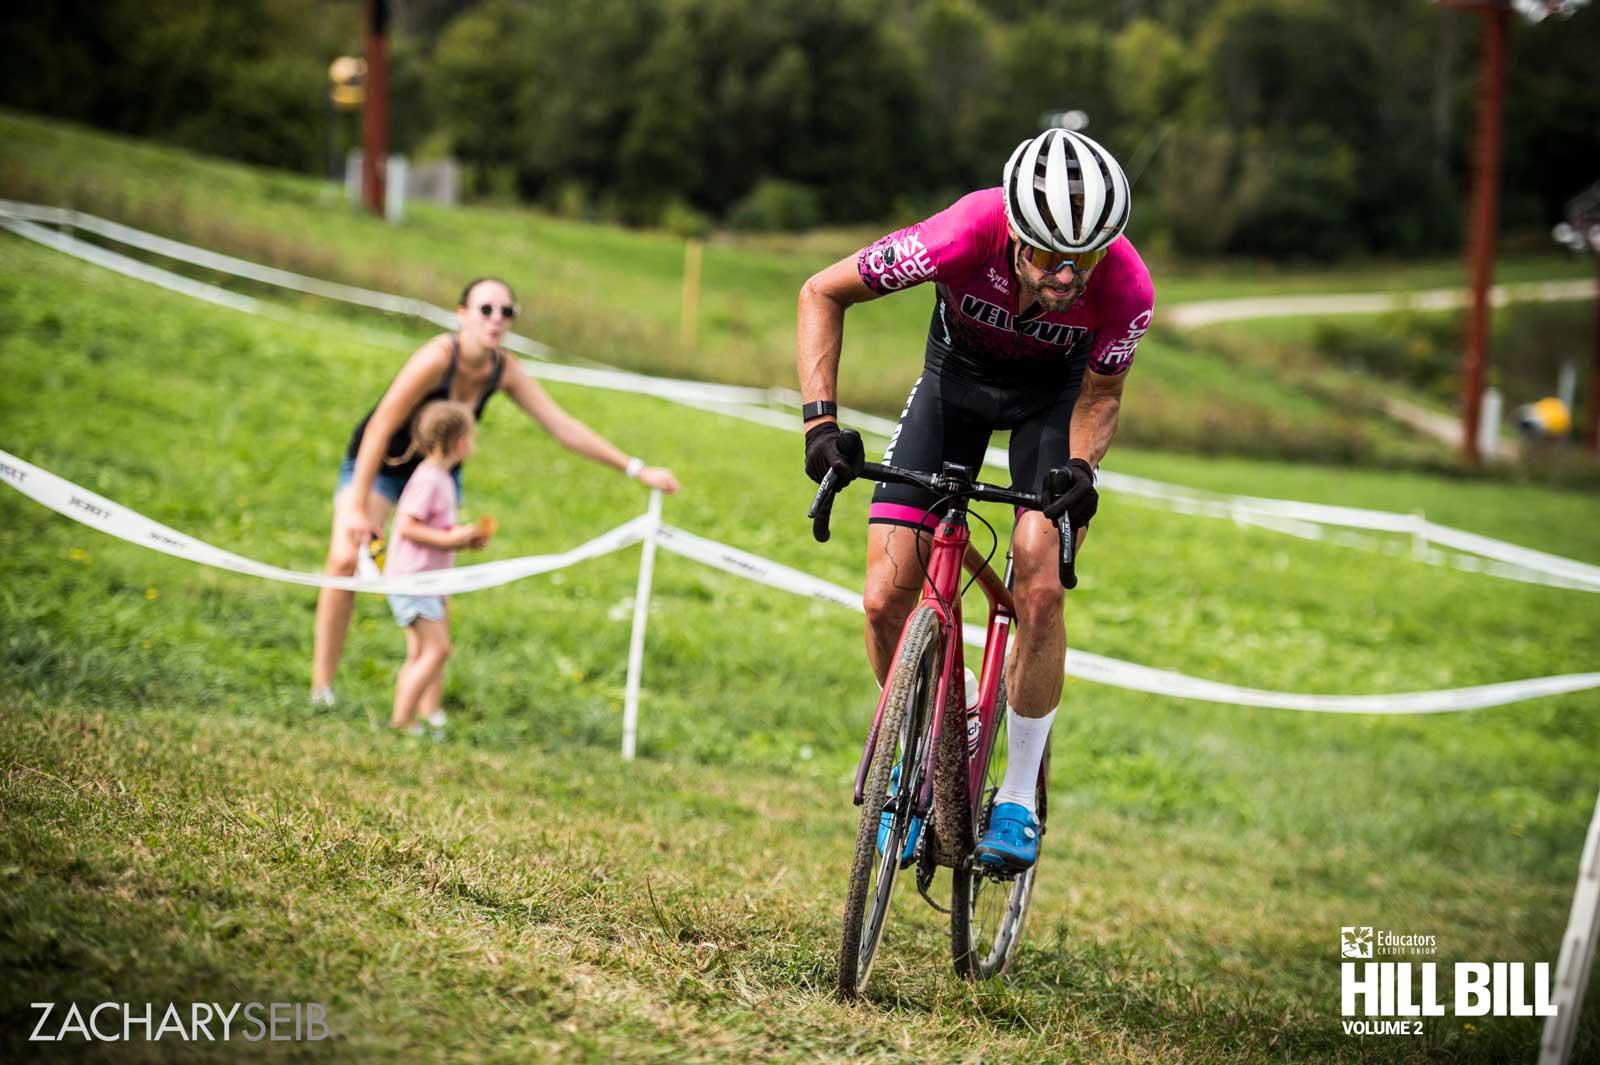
x: 925, y: 772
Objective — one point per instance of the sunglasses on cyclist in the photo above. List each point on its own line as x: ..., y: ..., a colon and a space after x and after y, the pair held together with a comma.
x: 1051, y: 262
x: 507, y: 311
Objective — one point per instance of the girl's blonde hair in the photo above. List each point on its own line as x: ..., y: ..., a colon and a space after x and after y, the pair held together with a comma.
x: 437, y: 428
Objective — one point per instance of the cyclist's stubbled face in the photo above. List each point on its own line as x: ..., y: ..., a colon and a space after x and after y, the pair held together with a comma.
x: 1055, y: 292
x: 488, y: 330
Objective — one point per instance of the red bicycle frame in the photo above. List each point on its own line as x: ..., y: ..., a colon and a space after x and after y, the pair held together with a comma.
x: 941, y: 590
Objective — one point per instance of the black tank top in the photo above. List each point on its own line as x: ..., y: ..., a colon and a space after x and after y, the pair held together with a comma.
x: 400, y: 442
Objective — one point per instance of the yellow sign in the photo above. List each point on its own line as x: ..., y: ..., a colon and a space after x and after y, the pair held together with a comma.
x: 347, y: 74
x: 347, y: 70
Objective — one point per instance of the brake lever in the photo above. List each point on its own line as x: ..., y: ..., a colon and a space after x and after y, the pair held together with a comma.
x: 1068, y: 572
x: 822, y: 507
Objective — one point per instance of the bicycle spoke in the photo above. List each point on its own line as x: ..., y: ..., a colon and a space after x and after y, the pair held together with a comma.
x: 989, y: 908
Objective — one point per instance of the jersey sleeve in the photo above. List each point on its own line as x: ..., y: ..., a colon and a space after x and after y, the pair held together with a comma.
x: 946, y: 247
x: 1126, y: 319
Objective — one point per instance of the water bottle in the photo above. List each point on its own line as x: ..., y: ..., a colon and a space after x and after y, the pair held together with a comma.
x: 974, y: 722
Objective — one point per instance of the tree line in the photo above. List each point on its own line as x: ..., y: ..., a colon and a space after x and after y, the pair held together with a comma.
x: 1278, y: 128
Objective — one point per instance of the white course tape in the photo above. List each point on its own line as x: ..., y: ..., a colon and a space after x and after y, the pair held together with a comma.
x: 1119, y: 674
x: 1313, y: 520
x: 1163, y: 682
x: 97, y: 512
x: 134, y: 268
x: 674, y: 389
x: 227, y: 264
x: 1306, y: 520
x: 155, y: 275
x: 755, y: 568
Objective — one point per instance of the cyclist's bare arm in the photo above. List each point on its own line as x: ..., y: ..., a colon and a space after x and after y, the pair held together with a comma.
x: 823, y: 300
x: 1094, y: 417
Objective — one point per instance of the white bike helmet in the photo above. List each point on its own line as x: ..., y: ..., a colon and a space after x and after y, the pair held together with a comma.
x: 1065, y: 193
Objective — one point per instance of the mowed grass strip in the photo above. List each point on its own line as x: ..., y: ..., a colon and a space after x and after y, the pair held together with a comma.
x: 1201, y: 860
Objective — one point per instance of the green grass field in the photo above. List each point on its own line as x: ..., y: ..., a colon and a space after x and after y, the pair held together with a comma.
x: 616, y: 295
x: 178, y: 824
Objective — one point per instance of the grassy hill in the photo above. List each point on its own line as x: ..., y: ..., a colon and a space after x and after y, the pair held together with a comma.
x: 178, y: 824
x: 615, y: 295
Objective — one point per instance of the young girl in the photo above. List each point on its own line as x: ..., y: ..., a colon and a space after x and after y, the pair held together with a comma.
x: 425, y: 538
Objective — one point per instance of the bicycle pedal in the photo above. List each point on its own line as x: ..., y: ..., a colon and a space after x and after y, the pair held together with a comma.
x: 990, y: 872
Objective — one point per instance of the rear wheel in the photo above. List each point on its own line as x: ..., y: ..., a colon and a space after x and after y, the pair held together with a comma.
x: 986, y: 909
x: 901, y: 742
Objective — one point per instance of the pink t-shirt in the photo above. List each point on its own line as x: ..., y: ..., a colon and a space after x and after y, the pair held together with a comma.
x: 430, y: 497
x: 965, y: 249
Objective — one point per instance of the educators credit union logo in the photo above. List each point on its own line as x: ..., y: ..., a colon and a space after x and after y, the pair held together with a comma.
x: 1355, y: 941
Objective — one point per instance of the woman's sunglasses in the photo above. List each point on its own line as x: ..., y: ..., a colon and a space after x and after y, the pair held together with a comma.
x: 1052, y: 262
x: 507, y: 311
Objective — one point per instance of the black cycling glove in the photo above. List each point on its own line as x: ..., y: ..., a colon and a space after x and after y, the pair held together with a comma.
x: 1070, y: 490
x: 829, y: 449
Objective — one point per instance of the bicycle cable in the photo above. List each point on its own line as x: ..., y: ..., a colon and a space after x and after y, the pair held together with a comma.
x: 994, y: 545
x: 922, y: 561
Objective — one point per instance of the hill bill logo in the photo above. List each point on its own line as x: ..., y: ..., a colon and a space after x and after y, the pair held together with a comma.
x: 1393, y: 997
x: 1355, y: 941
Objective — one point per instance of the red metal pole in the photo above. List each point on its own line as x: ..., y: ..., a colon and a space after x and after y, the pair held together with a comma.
x: 1591, y: 412
x: 375, y: 111
x: 1485, y: 220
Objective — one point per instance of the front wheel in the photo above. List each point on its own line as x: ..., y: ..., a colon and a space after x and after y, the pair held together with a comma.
x: 987, y: 910
x: 901, y: 743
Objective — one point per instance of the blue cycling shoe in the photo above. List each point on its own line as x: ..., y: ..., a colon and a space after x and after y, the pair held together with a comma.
x: 1012, y: 842
x: 886, y: 820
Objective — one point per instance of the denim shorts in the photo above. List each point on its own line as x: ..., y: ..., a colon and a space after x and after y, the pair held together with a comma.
x: 388, y: 484
x: 408, y: 608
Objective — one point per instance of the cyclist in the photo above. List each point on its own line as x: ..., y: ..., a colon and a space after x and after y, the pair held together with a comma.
x: 1040, y: 302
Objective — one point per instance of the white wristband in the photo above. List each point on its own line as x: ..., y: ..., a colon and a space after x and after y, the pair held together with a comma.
x: 635, y: 464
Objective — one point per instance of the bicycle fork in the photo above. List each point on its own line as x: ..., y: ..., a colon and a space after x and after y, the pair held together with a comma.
x: 944, y: 571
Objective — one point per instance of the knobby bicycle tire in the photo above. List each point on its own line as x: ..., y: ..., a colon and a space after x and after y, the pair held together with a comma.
x: 912, y: 682
x: 986, y: 914
x: 952, y: 840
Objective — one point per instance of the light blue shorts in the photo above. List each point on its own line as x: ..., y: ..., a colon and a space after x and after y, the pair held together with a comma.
x: 387, y: 484
x: 408, y: 608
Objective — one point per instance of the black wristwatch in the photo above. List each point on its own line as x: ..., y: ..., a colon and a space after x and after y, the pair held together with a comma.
x: 820, y: 409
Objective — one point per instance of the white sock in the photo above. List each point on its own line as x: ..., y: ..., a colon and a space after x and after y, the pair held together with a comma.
x: 1026, y: 744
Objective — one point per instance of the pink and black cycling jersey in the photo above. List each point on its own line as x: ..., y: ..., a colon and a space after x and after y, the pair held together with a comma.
x: 976, y: 328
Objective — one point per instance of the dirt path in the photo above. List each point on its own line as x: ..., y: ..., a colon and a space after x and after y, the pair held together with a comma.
x: 1420, y: 418
x: 1210, y: 312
